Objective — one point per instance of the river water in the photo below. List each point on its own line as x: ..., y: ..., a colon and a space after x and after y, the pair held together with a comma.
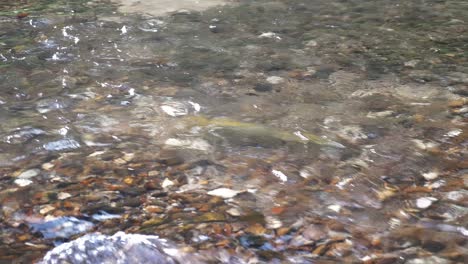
x: 304, y: 131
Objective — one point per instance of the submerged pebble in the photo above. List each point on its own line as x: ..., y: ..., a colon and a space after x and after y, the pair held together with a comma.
x: 430, y: 175
x: 224, y: 193
x: 260, y: 171
x: 23, y: 182
x: 29, y: 174
x: 425, y: 202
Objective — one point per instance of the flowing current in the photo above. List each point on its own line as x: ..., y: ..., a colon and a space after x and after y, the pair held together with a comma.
x: 266, y: 131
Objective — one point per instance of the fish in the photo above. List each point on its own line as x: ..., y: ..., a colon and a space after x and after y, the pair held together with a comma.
x: 234, y: 127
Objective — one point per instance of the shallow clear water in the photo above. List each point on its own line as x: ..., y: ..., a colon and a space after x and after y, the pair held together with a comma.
x: 337, y: 127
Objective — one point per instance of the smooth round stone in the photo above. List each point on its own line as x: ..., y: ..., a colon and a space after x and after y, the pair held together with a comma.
x: 29, y: 174
x: 424, y: 202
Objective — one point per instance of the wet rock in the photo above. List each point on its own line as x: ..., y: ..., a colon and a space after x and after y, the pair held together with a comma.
x: 263, y: 87
x: 131, y: 248
x: 429, y: 176
x: 224, y: 193
x: 352, y: 133
x: 23, y: 135
x: 23, y: 182
x: 103, y: 216
x: 175, y: 109
x: 119, y: 248
x: 167, y: 183
x: 63, y: 195
x: 411, y: 63
x: 233, y: 212
x: 163, y: 7
x: 256, y: 229
x: 425, y: 202
x: 47, y: 166
x: 273, y: 222
x: 275, y: 79
x: 299, y: 241
x: 252, y: 241
x: 428, y: 260
x: 270, y: 35
x: 380, y: 114
x: 434, y: 246
x: 46, y: 105
x: 197, y: 144
x: 311, y: 43
x: 458, y: 103
x: 210, y: 217
x: 29, y: 174
x: 62, y: 227
x: 457, y: 196
x: 314, y: 232
x: 63, y: 144
x: 280, y: 175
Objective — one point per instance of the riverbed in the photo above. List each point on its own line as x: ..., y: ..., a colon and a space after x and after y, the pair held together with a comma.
x: 288, y: 131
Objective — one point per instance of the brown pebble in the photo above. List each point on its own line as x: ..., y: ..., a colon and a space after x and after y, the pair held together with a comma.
x: 154, y: 209
x: 24, y: 237
x: 22, y: 15
x: 205, y: 208
x: 418, y: 118
x: 457, y: 103
x: 256, y: 229
x: 282, y: 231
x: 335, y: 226
x: 227, y: 229
x: 277, y: 210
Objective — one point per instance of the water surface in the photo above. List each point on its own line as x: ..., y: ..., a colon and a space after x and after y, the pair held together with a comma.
x: 285, y: 130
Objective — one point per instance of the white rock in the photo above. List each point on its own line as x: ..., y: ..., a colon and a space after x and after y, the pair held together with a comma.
x: 269, y: 35
x: 23, y: 182
x: 128, y: 156
x: 280, y: 175
x: 275, y: 79
x: 96, y: 153
x: 457, y: 195
x: 166, y: 183
x: 46, y: 208
x: 47, y: 166
x: 435, y: 185
x: 63, y: 195
x: 29, y: 174
x: 335, y: 207
x: 429, y: 176
x: 195, y: 106
x: 124, y: 30
x: 379, y: 114
x: 425, y: 202
x: 224, y: 193
x: 120, y: 161
x: 273, y: 222
x: 305, y: 173
x: 174, y: 109
x: 424, y: 145
x: 299, y: 135
x: 463, y: 231
x: 233, y: 212
x: 428, y: 260
x: 454, y: 133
